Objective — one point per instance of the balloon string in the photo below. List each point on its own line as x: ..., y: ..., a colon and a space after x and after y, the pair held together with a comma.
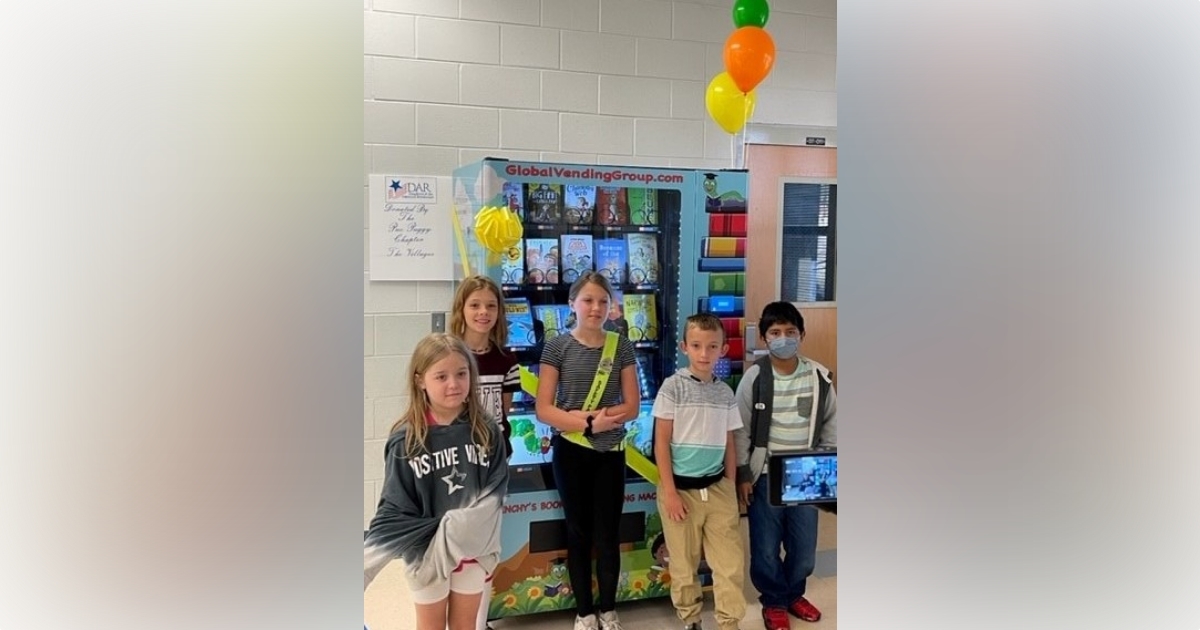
x: 738, y: 150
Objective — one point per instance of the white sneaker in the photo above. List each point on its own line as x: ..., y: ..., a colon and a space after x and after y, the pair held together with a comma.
x: 609, y: 621
x: 586, y: 623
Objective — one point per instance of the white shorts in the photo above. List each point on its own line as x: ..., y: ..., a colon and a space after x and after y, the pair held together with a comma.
x: 468, y: 579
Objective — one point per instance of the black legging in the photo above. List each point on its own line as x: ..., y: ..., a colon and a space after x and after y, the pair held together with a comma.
x: 592, y: 487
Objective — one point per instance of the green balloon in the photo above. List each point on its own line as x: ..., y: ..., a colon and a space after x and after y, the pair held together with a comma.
x: 751, y: 13
x: 532, y: 443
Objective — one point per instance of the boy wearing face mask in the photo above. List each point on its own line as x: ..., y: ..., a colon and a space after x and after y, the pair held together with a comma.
x: 787, y: 403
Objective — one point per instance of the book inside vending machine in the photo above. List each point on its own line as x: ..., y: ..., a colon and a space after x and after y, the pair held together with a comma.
x: 634, y: 226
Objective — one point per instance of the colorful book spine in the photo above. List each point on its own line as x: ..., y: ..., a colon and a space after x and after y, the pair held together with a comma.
x: 720, y: 264
x: 722, y: 305
x: 541, y: 261
x: 723, y: 247
x: 579, y: 204
x: 513, y: 196
x: 576, y: 256
x: 643, y: 258
x: 553, y: 318
x: 617, y: 322
x: 543, y: 203
x: 612, y: 206
x: 520, y: 323
x: 727, y: 225
x: 642, y: 314
x: 512, y: 264
x: 611, y: 259
x: 643, y: 206
x: 727, y: 283
x: 734, y: 326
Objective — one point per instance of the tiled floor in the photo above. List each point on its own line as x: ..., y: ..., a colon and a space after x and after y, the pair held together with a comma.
x: 388, y: 607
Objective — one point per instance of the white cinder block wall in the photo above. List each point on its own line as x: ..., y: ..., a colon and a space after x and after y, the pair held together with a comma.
x: 448, y: 82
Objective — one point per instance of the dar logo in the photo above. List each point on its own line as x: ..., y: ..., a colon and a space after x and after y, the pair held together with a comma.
x: 421, y: 189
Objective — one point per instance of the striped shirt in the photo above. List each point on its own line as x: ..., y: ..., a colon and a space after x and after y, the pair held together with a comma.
x: 791, y: 412
x: 576, y: 365
x: 702, y: 414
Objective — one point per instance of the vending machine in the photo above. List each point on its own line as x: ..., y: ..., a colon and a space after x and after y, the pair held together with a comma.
x: 669, y: 243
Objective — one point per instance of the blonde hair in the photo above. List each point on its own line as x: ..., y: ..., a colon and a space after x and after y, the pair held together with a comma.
x: 704, y: 321
x: 433, y: 348
x: 498, y: 335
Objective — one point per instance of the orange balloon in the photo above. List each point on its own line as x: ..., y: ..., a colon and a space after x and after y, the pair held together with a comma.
x: 749, y: 56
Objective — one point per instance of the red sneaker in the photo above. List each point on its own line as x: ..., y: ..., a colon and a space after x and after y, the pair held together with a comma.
x: 803, y: 609
x: 775, y: 618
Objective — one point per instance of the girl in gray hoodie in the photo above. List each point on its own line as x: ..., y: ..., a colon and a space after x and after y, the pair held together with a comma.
x: 444, y: 484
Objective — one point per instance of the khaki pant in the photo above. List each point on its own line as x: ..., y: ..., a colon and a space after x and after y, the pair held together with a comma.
x: 711, y: 525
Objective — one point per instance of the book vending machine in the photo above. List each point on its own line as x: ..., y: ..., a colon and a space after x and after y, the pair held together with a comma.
x: 669, y: 243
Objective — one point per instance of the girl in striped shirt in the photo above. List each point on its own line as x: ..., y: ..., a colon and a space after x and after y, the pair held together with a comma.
x: 589, y: 471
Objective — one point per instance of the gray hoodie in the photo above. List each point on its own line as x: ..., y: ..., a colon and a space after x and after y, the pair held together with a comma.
x: 441, y: 506
x: 751, y: 440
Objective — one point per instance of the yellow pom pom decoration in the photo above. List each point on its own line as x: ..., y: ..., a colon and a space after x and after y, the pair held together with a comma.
x: 498, y: 229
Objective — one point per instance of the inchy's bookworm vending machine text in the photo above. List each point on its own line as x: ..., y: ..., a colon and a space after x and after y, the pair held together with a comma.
x: 668, y: 242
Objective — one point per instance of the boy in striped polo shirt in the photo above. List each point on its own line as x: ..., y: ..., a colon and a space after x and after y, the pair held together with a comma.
x: 787, y: 404
x: 695, y: 415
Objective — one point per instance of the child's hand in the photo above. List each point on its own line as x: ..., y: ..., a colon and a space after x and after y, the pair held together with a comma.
x: 604, y: 422
x: 745, y: 492
x: 673, y: 506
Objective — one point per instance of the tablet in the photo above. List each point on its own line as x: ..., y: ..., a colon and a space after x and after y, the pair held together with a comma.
x: 803, y: 477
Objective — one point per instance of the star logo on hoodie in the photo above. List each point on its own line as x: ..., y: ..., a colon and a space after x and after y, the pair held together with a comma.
x: 452, y: 480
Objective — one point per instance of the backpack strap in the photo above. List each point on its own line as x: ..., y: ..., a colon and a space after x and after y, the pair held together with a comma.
x: 818, y: 422
x: 762, y: 404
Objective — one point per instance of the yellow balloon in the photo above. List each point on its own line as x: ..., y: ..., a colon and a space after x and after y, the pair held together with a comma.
x: 728, y: 106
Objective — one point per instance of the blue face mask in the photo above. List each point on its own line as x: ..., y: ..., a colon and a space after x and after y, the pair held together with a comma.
x: 784, y: 347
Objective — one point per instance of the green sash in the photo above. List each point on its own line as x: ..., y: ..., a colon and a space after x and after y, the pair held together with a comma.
x: 633, y: 457
x: 607, y: 355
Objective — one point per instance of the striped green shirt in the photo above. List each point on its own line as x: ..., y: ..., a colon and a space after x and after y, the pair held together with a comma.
x: 792, y: 409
